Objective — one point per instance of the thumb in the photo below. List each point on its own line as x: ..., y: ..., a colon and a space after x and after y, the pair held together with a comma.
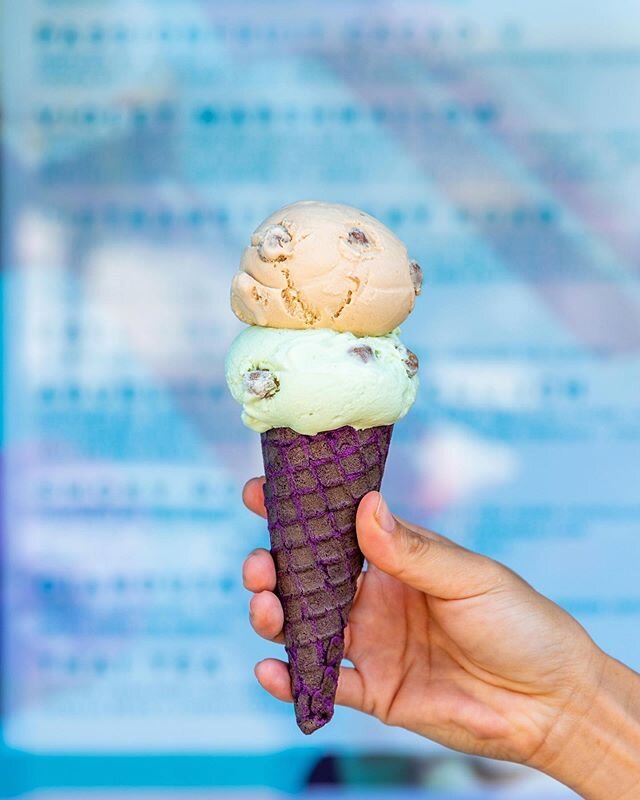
x: 420, y: 558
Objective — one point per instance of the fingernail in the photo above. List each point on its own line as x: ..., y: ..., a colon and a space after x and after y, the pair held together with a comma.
x: 385, y: 518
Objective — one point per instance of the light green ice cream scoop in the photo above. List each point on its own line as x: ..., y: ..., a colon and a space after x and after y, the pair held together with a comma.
x: 319, y: 379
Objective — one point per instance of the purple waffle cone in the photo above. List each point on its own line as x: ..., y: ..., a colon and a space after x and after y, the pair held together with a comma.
x: 312, y: 490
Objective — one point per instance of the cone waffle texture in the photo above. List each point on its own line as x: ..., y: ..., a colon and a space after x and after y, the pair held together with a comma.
x: 312, y: 490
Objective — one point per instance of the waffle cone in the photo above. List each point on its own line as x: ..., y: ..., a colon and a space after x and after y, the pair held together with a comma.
x: 313, y: 487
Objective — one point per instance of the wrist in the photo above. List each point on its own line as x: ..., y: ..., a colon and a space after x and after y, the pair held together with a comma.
x: 595, y: 746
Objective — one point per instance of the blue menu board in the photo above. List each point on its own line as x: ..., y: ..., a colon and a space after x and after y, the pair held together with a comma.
x: 143, y: 142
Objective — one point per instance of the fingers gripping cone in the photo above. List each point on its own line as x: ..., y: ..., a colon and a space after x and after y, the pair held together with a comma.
x: 312, y: 490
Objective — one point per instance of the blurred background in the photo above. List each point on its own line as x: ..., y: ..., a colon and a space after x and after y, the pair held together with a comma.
x: 142, y: 143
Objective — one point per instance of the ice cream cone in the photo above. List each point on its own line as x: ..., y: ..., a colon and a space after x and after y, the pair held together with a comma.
x: 313, y: 486
x: 322, y: 375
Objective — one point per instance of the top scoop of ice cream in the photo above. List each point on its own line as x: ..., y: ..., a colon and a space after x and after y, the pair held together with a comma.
x: 324, y: 265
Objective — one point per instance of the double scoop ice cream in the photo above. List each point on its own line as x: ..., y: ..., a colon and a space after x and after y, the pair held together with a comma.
x: 324, y: 287
x: 322, y: 375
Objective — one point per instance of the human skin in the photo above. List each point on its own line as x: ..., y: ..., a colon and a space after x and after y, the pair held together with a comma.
x: 458, y: 648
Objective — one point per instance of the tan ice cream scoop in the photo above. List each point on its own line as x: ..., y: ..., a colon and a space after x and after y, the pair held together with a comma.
x: 324, y: 265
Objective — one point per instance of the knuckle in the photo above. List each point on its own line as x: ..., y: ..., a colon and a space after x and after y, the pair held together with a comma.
x: 252, y: 608
x: 497, y: 577
x: 245, y: 577
x: 415, y: 545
